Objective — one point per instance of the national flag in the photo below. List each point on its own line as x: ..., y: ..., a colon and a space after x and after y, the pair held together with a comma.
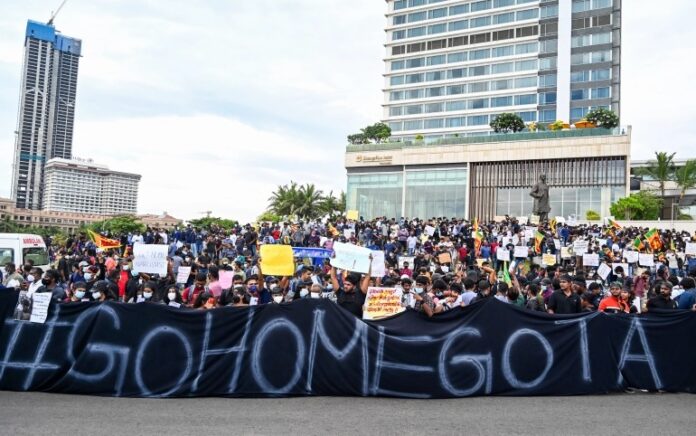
x: 538, y: 238
x: 102, y: 242
x: 476, y: 224
x: 614, y: 225
x: 638, y: 244
x: 553, y: 224
x: 506, y: 275
x: 653, y: 237
x: 478, y: 240
x: 671, y: 245
x: 332, y: 230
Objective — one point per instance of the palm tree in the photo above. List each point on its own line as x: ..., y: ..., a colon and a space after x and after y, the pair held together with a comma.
x: 332, y: 206
x: 660, y: 170
x: 285, y: 200
x: 685, y: 177
x: 309, y: 202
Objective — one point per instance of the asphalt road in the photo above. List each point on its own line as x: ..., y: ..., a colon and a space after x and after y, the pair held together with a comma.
x: 635, y: 414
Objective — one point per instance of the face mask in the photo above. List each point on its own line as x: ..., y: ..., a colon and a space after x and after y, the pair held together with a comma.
x: 278, y: 299
x: 147, y: 295
x: 96, y: 295
x: 88, y: 276
x: 330, y: 287
x: 419, y: 290
x: 303, y: 293
x: 30, y: 278
x: 171, y: 296
x: 45, y: 282
x: 274, y: 287
x: 253, y: 288
x: 79, y: 295
x: 315, y: 295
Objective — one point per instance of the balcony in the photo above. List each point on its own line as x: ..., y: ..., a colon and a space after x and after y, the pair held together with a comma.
x: 495, y: 137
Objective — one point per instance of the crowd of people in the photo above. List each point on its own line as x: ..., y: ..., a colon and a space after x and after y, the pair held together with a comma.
x: 435, y: 265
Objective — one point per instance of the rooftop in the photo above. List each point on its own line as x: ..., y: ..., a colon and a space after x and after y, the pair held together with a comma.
x: 492, y: 138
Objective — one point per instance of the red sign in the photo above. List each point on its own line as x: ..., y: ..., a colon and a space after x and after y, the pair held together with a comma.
x: 33, y: 241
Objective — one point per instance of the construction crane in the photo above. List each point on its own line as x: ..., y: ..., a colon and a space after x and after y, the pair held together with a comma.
x: 207, y: 213
x: 53, y: 16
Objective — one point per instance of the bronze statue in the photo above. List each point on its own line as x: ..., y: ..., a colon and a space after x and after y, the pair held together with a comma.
x: 540, y: 193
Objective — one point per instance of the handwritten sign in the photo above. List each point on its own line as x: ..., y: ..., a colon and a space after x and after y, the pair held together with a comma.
x: 409, y: 259
x: 39, y: 306
x: 381, y: 303
x: 549, y: 259
x: 226, y: 278
x: 646, y: 260
x: 690, y: 249
x: 378, y: 268
x: 603, y: 271
x: 631, y: 256
x: 444, y: 258
x: 557, y: 244
x: 521, y: 251
x: 534, y: 219
x: 353, y: 215
x: 277, y: 260
x: 566, y: 253
x: 502, y: 255
x: 580, y: 247
x: 350, y: 257
x: 150, y: 258
x: 590, y: 259
x: 622, y: 265
x: 429, y: 230
x: 182, y: 275
x: 523, y: 220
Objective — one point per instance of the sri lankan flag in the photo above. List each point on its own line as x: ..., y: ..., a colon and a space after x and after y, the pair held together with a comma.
x: 476, y: 224
x: 614, y: 225
x: 638, y: 244
x: 654, y: 240
x: 553, y: 224
x: 102, y: 242
x: 506, y: 275
x: 478, y: 240
x: 332, y: 230
x: 538, y: 238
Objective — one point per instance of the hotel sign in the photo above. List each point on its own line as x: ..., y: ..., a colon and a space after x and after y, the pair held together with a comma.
x: 378, y: 159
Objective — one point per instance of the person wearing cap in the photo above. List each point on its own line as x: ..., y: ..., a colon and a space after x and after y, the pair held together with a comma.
x: 613, y: 303
x: 564, y: 300
x: 352, y: 295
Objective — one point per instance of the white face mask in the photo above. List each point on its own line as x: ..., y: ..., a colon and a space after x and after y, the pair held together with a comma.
x: 418, y: 290
x: 171, y: 296
x: 96, y: 295
x: 30, y: 278
x: 303, y: 293
x: 88, y: 276
x: 278, y: 299
x: 315, y: 295
x: 147, y: 295
x: 274, y: 287
x: 79, y: 295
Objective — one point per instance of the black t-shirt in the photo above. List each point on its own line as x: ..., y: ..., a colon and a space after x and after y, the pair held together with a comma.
x: 660, y: 302
x: 561, y: 304
x: 351, y: 301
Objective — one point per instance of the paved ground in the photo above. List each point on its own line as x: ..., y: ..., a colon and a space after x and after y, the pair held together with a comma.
x: 634, y: 414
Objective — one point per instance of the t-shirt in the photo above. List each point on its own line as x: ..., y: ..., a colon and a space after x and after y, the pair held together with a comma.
x: 351, y: 301
x: 661, y: 303
x: 562, y: 304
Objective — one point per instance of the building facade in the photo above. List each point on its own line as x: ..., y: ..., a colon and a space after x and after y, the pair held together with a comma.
x: 489, y: 176
x: 46, y: 109
x: 77, y: 185
x: 453, y: 66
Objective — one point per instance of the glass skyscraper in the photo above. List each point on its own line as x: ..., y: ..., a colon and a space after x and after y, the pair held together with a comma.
x: 452, y: 66
x: 46, y: 109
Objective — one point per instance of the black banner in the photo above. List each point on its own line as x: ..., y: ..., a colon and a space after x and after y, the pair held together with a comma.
x: 313, y: 347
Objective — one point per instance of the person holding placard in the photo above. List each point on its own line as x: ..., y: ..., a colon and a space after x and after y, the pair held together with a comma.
x: 352, y: 295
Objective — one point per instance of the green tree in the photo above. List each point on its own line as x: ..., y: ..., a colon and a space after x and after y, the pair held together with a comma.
x: 378, y: 132
x: 358, y: 138
x: 507, y: 122
x: 592, y: 215
x: 118, y: 225
x: 268, y: 216
x: 685, y: 176
x: 660, y: 170
x: 643, y: 205
x: 333, y: 206
x: 284, y: 200
x: 211, y: 222
x: 309, y: 202
x: 602, y: 117
x: 7, y: 225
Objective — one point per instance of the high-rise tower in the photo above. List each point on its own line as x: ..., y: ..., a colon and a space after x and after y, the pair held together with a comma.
x: 46, y: 109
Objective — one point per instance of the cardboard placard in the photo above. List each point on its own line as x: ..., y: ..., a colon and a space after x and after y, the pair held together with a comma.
x: 381, y: 303
x: 39, y: 306
x: 521, y: 251
x: 353, y: 215
x: 277, y: 260
x: 429, y: 230
x: 350, y: 257
x: 226, y: 278
x: 548, y: 259
x: 647, y: 260
x: 150, y: 258
x: 690, y: 249
x: 603, y: 271
x: 566, y: 253
x: 590, y: 259
x: 503, y: 255
x: 631, y: 256
x: 580, y: 247
x: 445, y: 258
x: 182, y: 274
x: 378, y: 267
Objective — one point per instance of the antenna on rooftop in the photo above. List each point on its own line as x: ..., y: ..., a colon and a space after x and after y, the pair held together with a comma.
x: 53, y: 16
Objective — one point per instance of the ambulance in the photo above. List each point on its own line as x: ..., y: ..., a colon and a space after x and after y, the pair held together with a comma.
x: 19, y: 248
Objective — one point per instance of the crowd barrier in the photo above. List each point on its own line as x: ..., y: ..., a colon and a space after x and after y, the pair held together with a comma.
x: 313, y: 347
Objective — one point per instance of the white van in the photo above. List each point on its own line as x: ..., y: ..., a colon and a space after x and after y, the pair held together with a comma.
x: 18, y: 248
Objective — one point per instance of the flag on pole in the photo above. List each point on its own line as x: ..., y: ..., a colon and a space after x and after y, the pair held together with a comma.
x: 553, y: 224
x: 538, y: 238
x: 506, y: 275
x: 478, y: 240
x: 653, y: 237
x: 638, y: 244
x: 476, y: 224
x: 102, y: 242
x: 614, y: 225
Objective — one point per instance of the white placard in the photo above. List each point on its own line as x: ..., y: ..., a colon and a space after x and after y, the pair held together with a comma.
x: 580, y: 247
x: 350, y: 257
x: 534, y: 219
x: 631, y: 256
x: 560, y: 220
x: 348, y: 233
x: 175, y: 304
x: 604, y: 270
x: 565, y: 253
x: 690, y: 249
x: 622, y: 265
x: 523, y: 220
x: 253, y: 301
x: 378, y: 269
x: 590, y: 259
x: 507, y: 240
x: 409, y: 259
x: 557, y: 244
x: 529, y: 233
x: 430, y: 230
x: 521, y: 251
x: 646, y: 260
x: 150, y: 258
x: 322, y: 241
x: 39, y: 306
x: 503, y: 255
x: 182, y: 274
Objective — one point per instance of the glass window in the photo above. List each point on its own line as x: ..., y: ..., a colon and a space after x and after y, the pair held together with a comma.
x: 414, y: 78
x: 527, y: 14
x: 598, y: 4
x: 434, y: 107
x: 501, y: 101
x: 579, y: 76
x: 477, y: 120
x: 414, y: 93
x: 455, y: 122
x: 398, y: 34
x: 435, y: 123
x: 417, y: 16
x: 415, y: 62
x: 437, y: 13
x: 481, y: 70
x: 503, y: 3
x: 395, y: 111
x: 498, y: 85
x: 396, y: 80
x: 478, y: 103
x: 437, y: 60
x: 400, y: 4
x: 480, y: 22
x: 604, y: 74
x: 456, y: 89
x: 506, y: 50
x: 457, y: 57
x: 504, y: 18
x: 456, y: 73
x: 526, y: 82
x: 526, y: 65
x: 434, y: 75
x: 549, y: 11
x: 547, y: 115
x: 478, y: 87
x: 527, y: 117
x: 413, y: 125
x: 547, y: 63
x: 458, y: 25
x: 396, y: 95
x: 416, y: 31
x: 397, y: 65
x: 525, y: 99
x: 577, y: 113
x: 479, y: 54
x: 480, y: 5
x: 398, y: 19
x: 437, y: 28
x: 435, y: 92
x: 581, y: 5
x: 547, y: 98
x: 578, y: 94
x: 601, y: 92
x: 531, y: 47
x: 6, y: 256
x: 396, y: 126
x: 413, y: 3
x: 459, y: 9
x: 548, y: 46
x: 436, y: 193
x: 457, y: 105
x: 375, y: 194
x: 414, y: 109
x: 506, y: 67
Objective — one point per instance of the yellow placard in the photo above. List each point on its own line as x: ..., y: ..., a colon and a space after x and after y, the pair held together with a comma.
x: 353, y: 215
x: 549, y: 259
x: 381, y: 303
x: 277, y: 260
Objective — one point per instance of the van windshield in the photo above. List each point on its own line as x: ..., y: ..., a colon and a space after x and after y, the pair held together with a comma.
x: 6, y: 256
x: 38, y: 255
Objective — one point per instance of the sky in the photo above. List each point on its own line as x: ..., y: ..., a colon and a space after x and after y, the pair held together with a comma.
x: 218, y: 102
